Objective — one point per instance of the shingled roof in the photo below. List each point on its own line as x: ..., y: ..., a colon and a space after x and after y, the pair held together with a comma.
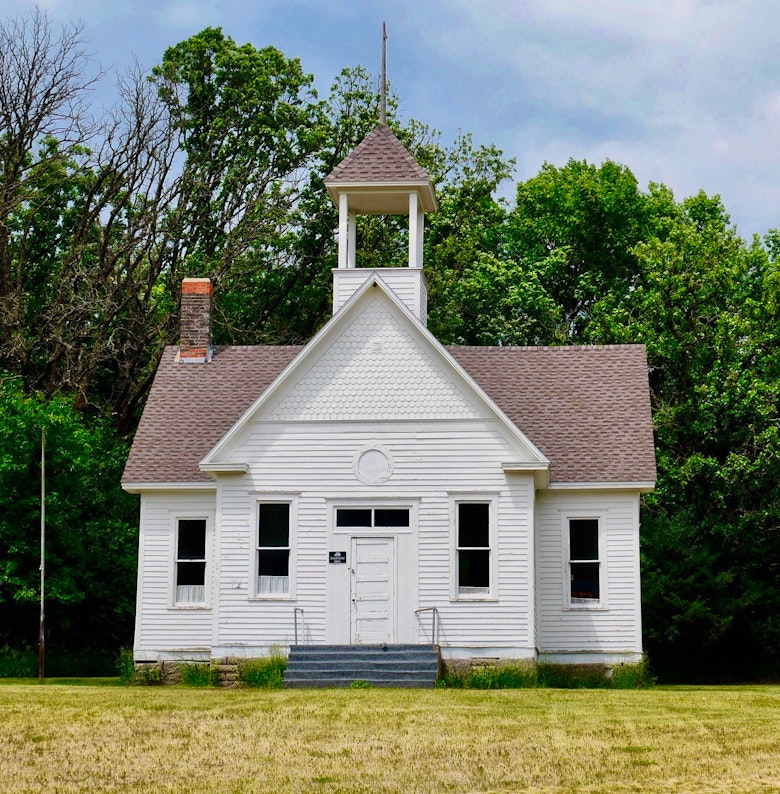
x: 586, y: 408
x: 379, y: 158
x: 191, y: 406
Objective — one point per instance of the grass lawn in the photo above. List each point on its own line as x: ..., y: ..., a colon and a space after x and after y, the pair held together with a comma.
x: 69, y: 738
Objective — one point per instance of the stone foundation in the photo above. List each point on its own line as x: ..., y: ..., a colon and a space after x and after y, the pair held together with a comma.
x: 221, y: 672
x: 591, y: 674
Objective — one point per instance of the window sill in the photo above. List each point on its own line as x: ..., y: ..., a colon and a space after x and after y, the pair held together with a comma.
x: 597, y: 607
x: 271, y: 597
x: 458, y: 599
x: 190, y: 607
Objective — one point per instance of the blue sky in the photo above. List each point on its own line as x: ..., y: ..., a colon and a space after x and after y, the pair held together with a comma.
x: 684, y: 92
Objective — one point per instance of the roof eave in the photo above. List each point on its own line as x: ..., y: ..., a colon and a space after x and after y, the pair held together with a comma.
x: 422, y: 187
x: 143, y: 487
x: 643, y: 486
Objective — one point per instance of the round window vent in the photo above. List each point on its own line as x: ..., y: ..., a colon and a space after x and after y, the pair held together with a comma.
x: 373, y: 465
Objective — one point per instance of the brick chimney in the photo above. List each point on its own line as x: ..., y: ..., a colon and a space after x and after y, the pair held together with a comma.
x: 196, y: 301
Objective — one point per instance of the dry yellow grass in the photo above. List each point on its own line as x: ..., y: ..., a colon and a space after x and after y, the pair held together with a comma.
x: 69, y: 739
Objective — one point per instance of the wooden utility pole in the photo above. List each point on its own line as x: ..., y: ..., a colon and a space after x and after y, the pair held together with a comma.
x: 41, y: 646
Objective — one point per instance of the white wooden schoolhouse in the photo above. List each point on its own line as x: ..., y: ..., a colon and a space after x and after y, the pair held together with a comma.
x: 374, y: 487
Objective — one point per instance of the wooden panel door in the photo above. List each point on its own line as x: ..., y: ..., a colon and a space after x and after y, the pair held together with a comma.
x: 373, y: 591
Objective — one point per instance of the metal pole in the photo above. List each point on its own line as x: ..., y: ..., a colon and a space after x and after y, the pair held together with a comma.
x: 41, y: 645
x: 383, y: 109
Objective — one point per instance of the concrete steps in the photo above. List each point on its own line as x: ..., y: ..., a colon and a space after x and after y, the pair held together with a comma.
x: 374, y: 665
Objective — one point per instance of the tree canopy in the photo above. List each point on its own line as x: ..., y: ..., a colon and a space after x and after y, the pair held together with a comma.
x: 213, y: 165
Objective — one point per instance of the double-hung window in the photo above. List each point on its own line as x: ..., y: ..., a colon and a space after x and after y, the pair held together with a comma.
x: 273, y: 548
x: 584, y: 563
x: 190, y: 561
x: 474, y: 561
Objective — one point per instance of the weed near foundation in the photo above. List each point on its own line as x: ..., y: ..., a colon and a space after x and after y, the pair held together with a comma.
x: 550, y: 676
x: 266, y: 673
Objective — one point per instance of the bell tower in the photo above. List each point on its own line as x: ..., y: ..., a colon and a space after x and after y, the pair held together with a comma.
x: 380, y: 177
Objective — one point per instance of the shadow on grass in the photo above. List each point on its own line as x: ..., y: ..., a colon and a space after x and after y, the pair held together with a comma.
x: 114, y: 681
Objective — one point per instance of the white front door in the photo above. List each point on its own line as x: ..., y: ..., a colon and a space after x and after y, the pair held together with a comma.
x: 373, y: 590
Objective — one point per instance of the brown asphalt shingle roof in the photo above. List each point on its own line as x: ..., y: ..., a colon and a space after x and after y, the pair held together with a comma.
x: 380, y: 157
x: 586, y: 408
x: 191, y: 406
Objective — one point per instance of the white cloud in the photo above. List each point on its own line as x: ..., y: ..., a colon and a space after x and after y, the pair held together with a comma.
x: 682, y: 91
x: 686, y: 92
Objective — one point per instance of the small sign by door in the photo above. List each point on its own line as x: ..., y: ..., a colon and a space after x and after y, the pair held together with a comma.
x: 337, y: 557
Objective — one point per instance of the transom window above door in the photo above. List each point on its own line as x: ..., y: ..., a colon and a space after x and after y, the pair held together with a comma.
x: 372, y: 517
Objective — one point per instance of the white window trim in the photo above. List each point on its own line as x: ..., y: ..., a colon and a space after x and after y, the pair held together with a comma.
x: 275, y: 498
x: 380, y: 503
x: 185, y: 515
x: 374, y: 529
x: 587, y: 605
x: 474, y: 497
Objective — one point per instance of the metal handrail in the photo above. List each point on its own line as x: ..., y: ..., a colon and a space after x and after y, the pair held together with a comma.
x: 296, y: 610
x: 434, y: 613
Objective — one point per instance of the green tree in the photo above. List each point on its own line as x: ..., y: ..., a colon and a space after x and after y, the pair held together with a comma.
x: 706, y: 307
x: 91, y: 525
x: 574, y: 228
x: 284, y: 296
x: 249, y: 125
x: 465, y: 260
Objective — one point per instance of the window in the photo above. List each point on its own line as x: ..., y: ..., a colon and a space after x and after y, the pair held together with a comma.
x: 191, y: 561
x: 472, y: 548
x: 584, y: 562
x: 273, y: 548
x: 365, y: 517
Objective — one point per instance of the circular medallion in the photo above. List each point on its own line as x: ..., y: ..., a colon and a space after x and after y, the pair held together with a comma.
x: 373, y: 465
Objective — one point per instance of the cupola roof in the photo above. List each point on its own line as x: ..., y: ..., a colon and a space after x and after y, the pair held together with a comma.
x: 375, y: 171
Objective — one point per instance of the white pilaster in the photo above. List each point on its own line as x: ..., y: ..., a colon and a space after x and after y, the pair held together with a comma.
x: 420, y: 228
x: 352, y: 238
x: 343, y: 230
x: 415, y: 252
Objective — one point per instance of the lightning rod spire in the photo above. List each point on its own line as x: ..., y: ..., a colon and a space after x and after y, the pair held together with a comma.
x: 383, y: 106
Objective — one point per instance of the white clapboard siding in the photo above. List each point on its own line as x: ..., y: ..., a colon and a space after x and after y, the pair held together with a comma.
x: 432, y: 463
x: 161, y: 625
x: 408, y: 285
x: 617, y: 627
